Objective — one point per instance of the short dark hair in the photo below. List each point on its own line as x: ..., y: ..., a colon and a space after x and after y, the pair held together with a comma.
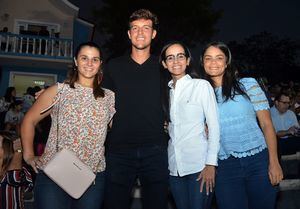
x: 278, y: 96
x: 144, y: 14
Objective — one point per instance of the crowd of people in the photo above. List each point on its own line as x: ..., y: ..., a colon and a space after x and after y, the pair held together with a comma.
x: 158, y: 120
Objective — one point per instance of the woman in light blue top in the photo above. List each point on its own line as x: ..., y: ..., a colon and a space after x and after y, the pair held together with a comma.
x: 248, y: 163
x: 189, y: 103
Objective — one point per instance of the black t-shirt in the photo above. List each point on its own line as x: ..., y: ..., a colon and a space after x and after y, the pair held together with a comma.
x: 139, y: 117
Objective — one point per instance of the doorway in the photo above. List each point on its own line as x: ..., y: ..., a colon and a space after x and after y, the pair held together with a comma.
x: 21, y: 81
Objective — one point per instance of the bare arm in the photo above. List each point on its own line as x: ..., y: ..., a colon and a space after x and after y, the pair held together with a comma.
x: 16, y: 162
x: 275, y: 171
x: 290, y: 131
x: 31, y: 119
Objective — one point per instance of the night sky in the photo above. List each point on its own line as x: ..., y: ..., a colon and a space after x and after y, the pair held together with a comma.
x: 241, y: 19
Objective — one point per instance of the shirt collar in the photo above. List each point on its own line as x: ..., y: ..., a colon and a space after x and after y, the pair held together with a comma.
x: 184, y: 78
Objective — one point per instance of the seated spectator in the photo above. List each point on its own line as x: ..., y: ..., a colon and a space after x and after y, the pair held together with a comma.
x: 14, y: 117
x: 15, y: 178
x: 5, y: 101
x: 296, y: 105
x: 28, y: 99
x: 286, y: 124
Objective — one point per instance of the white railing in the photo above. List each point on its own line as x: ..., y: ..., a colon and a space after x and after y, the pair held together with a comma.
x: 35, y: 46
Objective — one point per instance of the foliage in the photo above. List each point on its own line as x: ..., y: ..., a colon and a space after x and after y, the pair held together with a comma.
x: 191, y: 21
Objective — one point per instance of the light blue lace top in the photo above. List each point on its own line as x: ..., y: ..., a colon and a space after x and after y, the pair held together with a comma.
x: 240, y: 132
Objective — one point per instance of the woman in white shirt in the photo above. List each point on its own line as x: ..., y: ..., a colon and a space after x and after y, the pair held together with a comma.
x: 190, y: 106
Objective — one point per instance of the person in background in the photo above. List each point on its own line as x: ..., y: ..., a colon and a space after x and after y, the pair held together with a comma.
x: 4, y: 36
x: 296, y: 104
x: 15, y: 178
x: 248, y: 166
x: 190, y: 107
x: 14, y: 117
x: 81, y: 111
x: 45, y: 33
x: 28, y: 99
x: 286, y: 125
x: 8, y: 98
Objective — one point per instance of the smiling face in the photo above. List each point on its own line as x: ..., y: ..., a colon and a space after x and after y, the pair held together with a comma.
x: 214, y: 63
x: 88, y: 62
x: 176, y: 61
x: 141, y: 33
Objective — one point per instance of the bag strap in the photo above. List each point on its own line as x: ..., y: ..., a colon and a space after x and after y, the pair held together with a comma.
x: 57, y: 118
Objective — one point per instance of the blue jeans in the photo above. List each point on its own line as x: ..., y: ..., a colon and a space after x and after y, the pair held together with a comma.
x: 47, y: 195
x: 243, y: 183
x: 149, y: 164
x: 186, y: 192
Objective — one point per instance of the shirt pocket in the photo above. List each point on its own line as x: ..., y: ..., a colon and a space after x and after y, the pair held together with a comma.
x: 189, y: 111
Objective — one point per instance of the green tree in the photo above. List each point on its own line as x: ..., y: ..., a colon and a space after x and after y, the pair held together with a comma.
x: 191, y: 21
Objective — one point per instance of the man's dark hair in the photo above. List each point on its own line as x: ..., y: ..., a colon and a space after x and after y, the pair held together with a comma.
x: 144, y: 14
x: 278, y: 96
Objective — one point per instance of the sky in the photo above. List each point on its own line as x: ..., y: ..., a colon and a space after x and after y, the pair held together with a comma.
x: 241, y: 18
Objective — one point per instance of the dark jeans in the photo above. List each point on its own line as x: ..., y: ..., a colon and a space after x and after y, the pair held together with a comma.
x: 47, y: 195
x: 186, y: 192
x: 289, y: 146
x: 149, y: 164
x: 243, y: 183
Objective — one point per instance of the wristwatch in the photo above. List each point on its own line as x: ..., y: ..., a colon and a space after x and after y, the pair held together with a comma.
x: 18, y: 150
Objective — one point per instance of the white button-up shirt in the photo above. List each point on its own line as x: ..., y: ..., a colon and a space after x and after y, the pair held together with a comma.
x: 192, y: 105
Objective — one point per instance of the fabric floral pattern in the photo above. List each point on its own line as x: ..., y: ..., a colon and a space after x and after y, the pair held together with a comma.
x: 83, y: 122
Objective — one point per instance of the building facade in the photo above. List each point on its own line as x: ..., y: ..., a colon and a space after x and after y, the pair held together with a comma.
x: 37, y: 41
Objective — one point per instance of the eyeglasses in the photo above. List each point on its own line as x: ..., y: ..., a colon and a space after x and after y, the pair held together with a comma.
x: 179, y: 57
x: 286, y: 103
x: 218, y: 59
x: 145, y: 28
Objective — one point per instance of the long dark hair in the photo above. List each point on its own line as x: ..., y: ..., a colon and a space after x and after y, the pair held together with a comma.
x: 165, y: 76
x: 8, y: 150
x: 73, y: 73
x: 8, y: 97
x: 230, y: 82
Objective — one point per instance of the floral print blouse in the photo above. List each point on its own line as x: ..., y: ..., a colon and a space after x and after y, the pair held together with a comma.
x: 82, y: 123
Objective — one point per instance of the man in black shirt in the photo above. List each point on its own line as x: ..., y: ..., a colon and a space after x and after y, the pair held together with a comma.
x: 136, y: 144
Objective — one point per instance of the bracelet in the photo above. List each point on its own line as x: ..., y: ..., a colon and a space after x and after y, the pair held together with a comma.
x: 18, y: 150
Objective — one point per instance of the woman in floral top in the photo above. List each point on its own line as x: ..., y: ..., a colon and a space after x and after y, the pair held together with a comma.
x: 82, y: 110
